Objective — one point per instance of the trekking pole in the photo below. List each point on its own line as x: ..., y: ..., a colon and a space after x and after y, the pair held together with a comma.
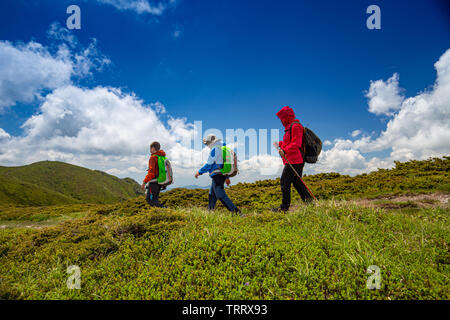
x: 298, y: 175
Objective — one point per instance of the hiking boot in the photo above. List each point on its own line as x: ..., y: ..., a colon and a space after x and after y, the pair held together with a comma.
x: 238, y: 212
x: 279, y: 209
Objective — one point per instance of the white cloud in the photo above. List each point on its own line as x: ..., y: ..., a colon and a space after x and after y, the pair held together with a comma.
x: 140, y: 6
x: 347, y: 161
x: 418, y: 130
x: 261, y: 166
x: 4, y: 135
x: 107, y: 129
x: 384, y: 97
x: 159, y: 107
x: 101, y: 128
x: 356, y: 133
x: 28, y: 70
x: 177, y: 32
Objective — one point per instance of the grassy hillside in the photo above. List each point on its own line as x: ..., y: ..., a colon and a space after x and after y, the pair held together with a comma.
x: 317, y: 251
x: 50, y: 182
x: 426, y: 176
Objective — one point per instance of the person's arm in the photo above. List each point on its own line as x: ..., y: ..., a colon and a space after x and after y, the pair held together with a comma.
x: 152, y: 172
x: 208, y: 165
x: 296, y: 140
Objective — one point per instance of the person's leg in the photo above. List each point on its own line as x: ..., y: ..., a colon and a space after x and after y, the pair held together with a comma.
x: 220, y: 193
x: 148, y: 195
x: 298, y: 185
x: 154, y: 202
x: 285, y: 181
x: 212, y: 197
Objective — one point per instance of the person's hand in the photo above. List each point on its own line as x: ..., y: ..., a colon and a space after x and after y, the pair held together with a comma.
x: 143, y: 186
x: 276, y: 145
x: 196, y: 175
x: 281, y: 152
x: 227, y: 181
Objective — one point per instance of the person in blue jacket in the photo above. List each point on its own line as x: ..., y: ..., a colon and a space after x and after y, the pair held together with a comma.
x: 213, y: 166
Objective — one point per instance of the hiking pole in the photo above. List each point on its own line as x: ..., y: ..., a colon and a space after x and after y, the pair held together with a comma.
x: 297, y: 174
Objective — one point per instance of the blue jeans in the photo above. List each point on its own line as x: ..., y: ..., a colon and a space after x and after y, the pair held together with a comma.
x: 217, y: 192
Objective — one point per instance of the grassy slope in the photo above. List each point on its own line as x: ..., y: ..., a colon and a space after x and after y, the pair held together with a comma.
x: 130, y: 251
x: 49, y: 182
x: 409, y: 177
x: 322, y: 251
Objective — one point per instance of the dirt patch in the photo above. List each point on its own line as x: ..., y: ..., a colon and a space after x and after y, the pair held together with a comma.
x: 26, y: 224
x: 429, y: 200
x: 407, y: 201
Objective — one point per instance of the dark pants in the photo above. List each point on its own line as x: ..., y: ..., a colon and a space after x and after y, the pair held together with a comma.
x: 153, y: 194
x: 289, y: 177
x: 217, y: 192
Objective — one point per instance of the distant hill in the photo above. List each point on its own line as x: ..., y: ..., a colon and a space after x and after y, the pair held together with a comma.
x: 52, y: 182
x: 192, y: 186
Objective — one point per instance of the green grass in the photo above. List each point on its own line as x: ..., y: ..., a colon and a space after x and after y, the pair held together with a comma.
x: 428, y: 176
x: 50, y: 183
x: 322, y: 250
x: 319, y: 251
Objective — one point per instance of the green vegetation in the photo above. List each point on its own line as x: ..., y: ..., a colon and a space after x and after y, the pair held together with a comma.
x: 50, y: 182
x: 406, y: 178
x: 317, y: 251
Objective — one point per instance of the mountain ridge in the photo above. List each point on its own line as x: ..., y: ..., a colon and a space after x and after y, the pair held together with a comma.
x: 55, y: 182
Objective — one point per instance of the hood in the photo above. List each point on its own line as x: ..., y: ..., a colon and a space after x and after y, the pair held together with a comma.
x: 286, y: 115
x: 159, y: 153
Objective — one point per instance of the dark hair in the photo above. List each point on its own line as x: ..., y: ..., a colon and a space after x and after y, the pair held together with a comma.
x: 155, y: 145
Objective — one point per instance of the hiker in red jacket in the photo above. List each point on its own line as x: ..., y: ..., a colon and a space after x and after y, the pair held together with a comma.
x: 289, y: 149
x: 152, y: 173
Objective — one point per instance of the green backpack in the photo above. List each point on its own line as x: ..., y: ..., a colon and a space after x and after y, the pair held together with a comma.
x: 165, y: 175
x: 230, y: 168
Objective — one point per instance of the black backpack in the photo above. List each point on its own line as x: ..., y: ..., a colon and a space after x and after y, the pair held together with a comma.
x: 311, y: 144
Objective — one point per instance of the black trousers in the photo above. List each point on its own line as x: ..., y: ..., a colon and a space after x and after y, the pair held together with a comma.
x: 153, y: 195
x: 289, y: 177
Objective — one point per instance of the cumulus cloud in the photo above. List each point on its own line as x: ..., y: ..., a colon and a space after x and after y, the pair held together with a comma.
x: 100, y: 128
x: 30, y: 69
x: 4, y: 135
x: 419, y: 129
x: 356, y: 133
x: 261, y: 166
x: 384, y: 96
x: 140, y: 6
x: 107, y: 129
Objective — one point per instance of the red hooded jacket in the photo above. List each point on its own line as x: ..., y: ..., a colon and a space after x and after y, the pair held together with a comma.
x: 153, y: 170
x: 291, y: 144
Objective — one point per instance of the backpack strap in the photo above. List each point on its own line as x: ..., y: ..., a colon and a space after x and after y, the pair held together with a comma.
x: 303, y: 147
x: 290, y: 127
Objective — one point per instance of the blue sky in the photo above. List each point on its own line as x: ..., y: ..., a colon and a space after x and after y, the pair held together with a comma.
x: 233, y: 64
